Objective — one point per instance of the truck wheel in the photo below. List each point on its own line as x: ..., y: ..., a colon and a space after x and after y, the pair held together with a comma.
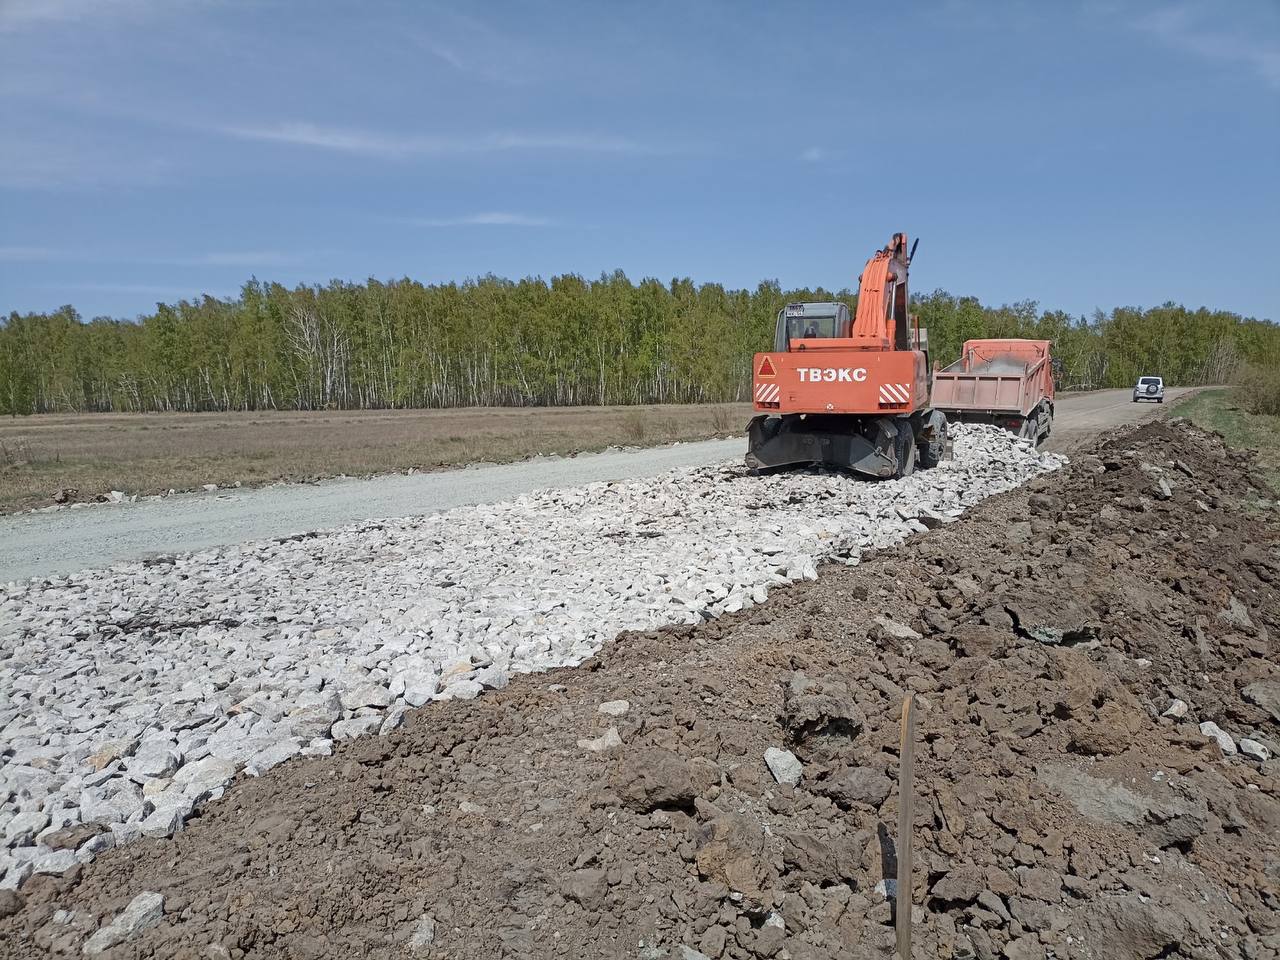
x: 1040, y: 424
x: 905, y: 448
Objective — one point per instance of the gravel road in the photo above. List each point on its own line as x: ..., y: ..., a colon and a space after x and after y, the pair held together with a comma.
x: 1084, y: 415
x: 62, y: 541
x: 37, y: 544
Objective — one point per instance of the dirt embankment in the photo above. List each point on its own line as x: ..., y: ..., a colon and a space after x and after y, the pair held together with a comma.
x: 1058, y: 812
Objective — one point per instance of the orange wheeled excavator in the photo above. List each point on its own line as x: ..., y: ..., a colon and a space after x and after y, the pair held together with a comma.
x: 850, y: 391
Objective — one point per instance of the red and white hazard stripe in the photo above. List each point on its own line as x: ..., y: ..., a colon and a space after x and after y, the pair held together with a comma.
x: 895, y: 393
x: 768, y: 393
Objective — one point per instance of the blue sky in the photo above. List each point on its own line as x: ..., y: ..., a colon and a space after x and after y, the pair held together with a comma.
x: 1080, y: 154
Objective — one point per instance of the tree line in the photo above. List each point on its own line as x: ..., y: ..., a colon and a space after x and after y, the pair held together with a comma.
x: 567, y: 341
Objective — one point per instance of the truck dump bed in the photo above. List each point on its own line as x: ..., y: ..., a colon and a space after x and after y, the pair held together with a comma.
x: 994, y: 377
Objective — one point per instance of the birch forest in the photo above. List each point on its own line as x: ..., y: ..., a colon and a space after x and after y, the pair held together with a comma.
x: 496, y: 342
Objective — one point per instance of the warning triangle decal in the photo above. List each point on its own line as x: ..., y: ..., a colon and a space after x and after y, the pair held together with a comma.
x: 766, y: 368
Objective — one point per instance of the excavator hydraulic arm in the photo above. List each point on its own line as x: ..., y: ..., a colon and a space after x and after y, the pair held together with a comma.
x: 881, y: 321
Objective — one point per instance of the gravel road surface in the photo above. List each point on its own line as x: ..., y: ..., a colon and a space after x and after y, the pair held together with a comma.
x: 1081, y: 416
x: 62, y: 541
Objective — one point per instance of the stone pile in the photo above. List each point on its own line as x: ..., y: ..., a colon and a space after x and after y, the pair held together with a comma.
x: 130, y: 696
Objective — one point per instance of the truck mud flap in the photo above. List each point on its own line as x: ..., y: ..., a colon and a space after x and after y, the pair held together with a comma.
x: 789, y: 441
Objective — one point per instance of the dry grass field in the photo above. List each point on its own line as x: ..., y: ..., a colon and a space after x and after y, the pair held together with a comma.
x: 153, y: 453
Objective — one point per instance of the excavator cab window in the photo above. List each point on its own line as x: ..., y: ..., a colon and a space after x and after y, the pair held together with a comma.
x: 810, y: 321
x: 813, y: 327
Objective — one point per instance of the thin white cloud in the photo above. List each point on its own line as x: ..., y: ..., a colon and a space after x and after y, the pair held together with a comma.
x: 1198, y: 29
x: 41, y: 163
x: 146, y: 288
x: 400, y: 146
x: 26, y: 254
x: 495, y: 219
x: 814, y: 155
x: 473, y: 47
x: 247, y: 258
x: 446, y: 54
x: 17, y: 15
x: 327, y: 138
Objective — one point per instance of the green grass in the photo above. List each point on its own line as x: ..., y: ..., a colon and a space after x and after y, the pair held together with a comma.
x: 1217, y: 410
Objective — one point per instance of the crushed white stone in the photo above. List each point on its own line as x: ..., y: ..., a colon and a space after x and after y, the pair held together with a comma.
x: 176, y: 674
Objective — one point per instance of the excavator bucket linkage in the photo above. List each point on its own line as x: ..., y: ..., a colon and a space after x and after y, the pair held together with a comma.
x: 869, y: 447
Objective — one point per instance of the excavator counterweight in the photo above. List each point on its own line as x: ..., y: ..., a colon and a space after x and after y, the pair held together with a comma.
x: 850, y: 390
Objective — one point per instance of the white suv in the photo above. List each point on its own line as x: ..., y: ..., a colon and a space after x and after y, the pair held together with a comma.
x: 1149, y: 388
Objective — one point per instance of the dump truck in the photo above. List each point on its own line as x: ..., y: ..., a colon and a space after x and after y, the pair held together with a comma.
x: 1008, y: 383
x: 849, y: 390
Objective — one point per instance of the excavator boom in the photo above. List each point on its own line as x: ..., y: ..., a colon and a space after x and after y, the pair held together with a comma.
x: 880, y: 288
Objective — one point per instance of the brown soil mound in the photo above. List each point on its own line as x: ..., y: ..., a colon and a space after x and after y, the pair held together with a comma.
x: 1058, y: 813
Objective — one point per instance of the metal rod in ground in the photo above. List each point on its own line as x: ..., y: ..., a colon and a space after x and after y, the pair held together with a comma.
x: 906, y: 814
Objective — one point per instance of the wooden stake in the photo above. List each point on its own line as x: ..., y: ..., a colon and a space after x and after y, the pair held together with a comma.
x: 906, y: 815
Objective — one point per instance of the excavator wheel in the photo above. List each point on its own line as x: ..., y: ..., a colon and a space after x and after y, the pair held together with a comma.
x: 931, y: 453
x: 905, y: 447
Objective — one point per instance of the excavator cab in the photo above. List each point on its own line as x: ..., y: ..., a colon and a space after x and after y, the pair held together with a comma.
x: 811, y: 321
